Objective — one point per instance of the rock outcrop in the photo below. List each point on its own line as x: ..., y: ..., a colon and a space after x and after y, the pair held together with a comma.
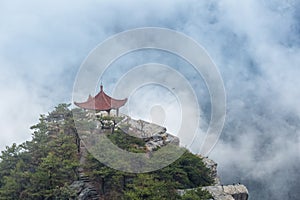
x: 228, y: 192
x: 212, y: 165
x: 218, y: 191
x: 85, y: 190
x: 155, y: 136
x: 84, y: 187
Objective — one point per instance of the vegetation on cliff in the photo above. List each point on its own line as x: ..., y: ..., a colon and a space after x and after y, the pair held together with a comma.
x: 46, y: 166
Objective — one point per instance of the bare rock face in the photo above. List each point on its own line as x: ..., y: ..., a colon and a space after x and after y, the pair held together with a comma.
x: 228, y: 192
x: 220, y: 192
x: 84, y: 190
x: 155, y: 136
x: 140, y: 128
x: 212, y: 165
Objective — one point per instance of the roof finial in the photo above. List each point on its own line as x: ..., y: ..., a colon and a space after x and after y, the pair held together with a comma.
x: 101, y: 87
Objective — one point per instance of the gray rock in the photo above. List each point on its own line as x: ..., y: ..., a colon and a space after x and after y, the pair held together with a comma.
x: 155, y: 136
x: 84, y: 189
x: 140, y: 128
x: 77, y: 186
x: 230, y: 192
x: 212, y: 165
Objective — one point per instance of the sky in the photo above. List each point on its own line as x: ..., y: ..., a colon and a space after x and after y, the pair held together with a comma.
x: 254, y: 43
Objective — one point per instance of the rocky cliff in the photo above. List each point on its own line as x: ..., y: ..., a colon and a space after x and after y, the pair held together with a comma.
x: 222, y: 192
x: 228, y: 192
x: 156, y: 136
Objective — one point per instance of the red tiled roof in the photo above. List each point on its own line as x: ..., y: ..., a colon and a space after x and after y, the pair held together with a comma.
x: 101, y: 102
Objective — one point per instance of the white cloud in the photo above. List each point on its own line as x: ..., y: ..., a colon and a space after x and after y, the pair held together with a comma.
x: 254, y: 43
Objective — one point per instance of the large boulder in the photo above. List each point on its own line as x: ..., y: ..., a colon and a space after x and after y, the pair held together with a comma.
x: 228, y: 192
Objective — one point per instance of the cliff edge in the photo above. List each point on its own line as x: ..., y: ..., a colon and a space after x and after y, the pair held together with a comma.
x: 223, y: 192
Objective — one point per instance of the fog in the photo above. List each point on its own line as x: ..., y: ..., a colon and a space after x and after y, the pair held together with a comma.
x: 255, y: 44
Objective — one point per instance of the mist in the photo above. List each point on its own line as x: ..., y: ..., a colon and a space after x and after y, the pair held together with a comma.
x: 255, y: 44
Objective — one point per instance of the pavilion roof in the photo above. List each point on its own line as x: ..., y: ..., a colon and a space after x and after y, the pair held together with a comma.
x: 101, y: 102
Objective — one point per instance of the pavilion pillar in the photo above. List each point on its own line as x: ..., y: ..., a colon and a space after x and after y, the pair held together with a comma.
x: 117, y: 112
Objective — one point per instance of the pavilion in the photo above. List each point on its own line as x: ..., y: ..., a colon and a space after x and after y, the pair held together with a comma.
x: 102, y: 102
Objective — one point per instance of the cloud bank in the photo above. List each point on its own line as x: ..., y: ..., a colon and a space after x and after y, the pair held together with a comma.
x: 255, y: 44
